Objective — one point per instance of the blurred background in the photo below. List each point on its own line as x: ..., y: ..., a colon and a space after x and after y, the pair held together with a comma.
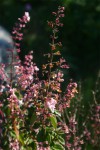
x: 80, y: 35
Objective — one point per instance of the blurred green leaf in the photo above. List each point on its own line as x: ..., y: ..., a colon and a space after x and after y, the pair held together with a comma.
x: 53, y: 121
x: 61, y: 140
x: 57, y: 113
x: 57, y: 146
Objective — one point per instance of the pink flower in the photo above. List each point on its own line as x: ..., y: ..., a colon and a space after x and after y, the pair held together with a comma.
x: 50, y: 103
x: 36, y: 68
x: 27, y: 16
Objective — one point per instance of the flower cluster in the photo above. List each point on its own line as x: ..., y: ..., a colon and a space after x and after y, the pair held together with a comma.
x: 14, y: 144
x: 94, y: 118
x: 81, y: 127
x: 69, y: 94
x: 28, y: 104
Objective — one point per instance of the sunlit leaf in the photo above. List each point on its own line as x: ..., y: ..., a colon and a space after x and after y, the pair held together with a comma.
x: 53, y: 121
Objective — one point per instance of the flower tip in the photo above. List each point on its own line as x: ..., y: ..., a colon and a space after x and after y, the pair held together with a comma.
x: 27, y: 16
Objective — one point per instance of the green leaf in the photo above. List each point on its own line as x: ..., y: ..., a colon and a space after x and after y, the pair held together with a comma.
x: 57, y: 113
x: 49, y: 129
x: 28, y: 141
x: 49, y: 139
x: 12, y: 134
x: 17, y: 93
x: 21, y: 139
x: 61, y: 140
x: 53, y: 121
x: 41, y: 137
x: 33, y: 118
x: 57, y: 146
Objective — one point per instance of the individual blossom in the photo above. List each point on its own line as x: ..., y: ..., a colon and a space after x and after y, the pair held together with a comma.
x: 50, y: 103
x: 27, y: 16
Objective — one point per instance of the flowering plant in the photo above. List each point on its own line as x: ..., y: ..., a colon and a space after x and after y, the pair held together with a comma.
x: 31, y: 110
